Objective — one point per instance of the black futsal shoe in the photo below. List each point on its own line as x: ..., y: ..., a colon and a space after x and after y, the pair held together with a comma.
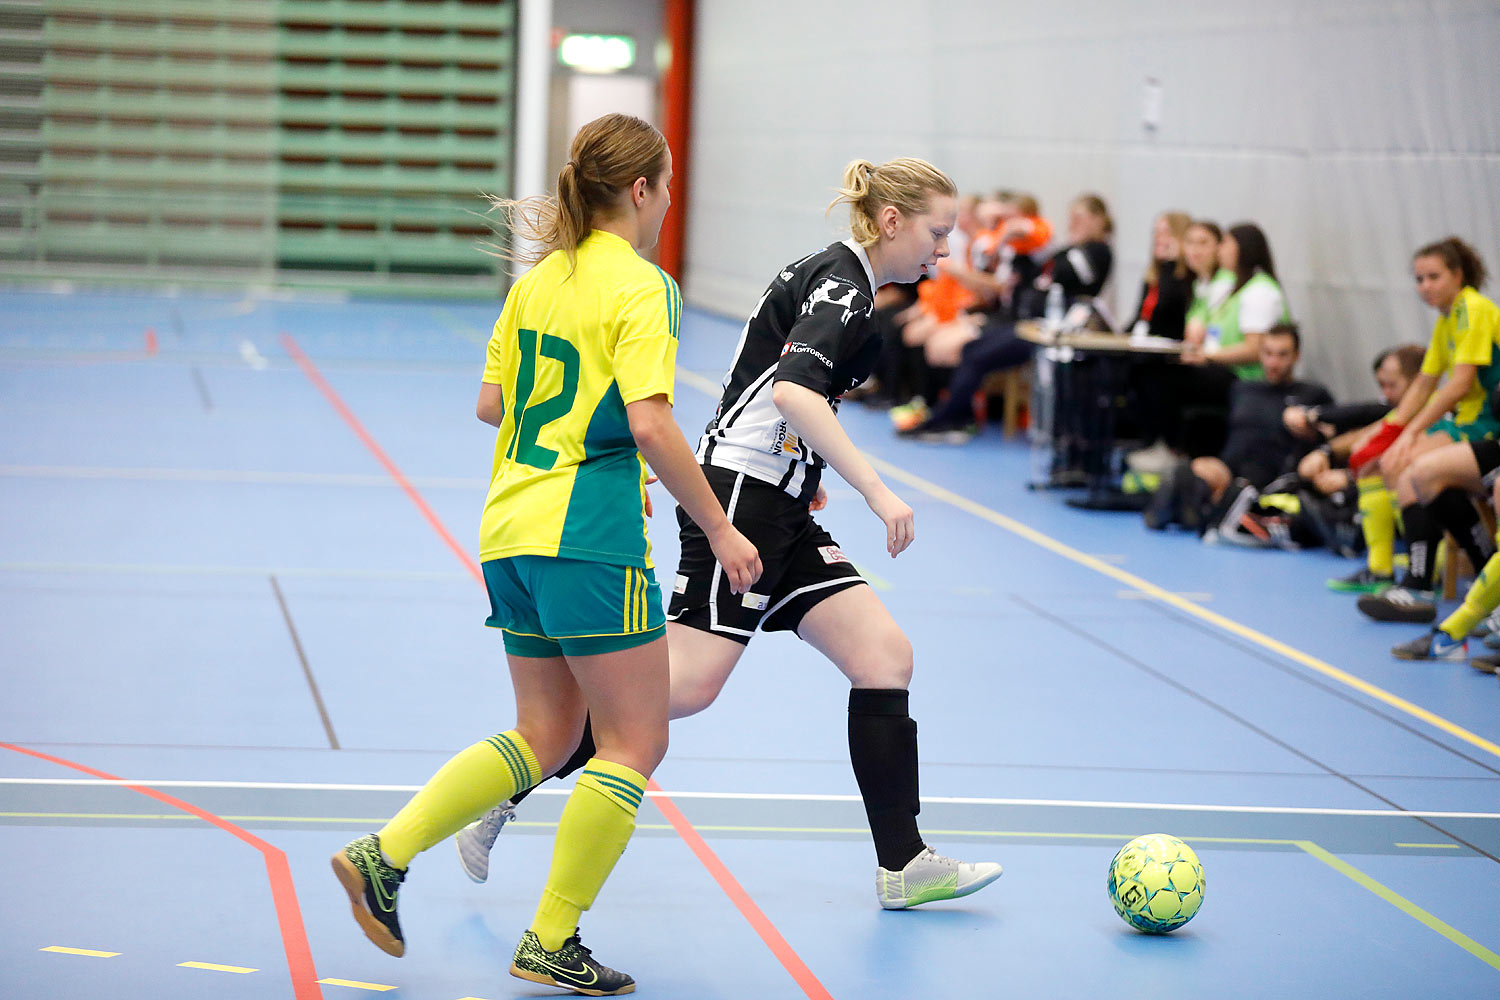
x: 571, y: 967
x: 372, y: 884
x: 1400, y: 604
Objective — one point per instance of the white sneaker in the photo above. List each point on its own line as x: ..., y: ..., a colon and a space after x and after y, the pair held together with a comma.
x: 1488, y: 626
x: 1157, y: 459
x: 475, y: 840
x: 928, y: 877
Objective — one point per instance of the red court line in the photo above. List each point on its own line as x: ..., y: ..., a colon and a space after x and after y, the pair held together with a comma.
x: 761, y: 924
x: 150, y: 341
x: 299, y: 958
x: 739, y: 897
x: 317, y: 379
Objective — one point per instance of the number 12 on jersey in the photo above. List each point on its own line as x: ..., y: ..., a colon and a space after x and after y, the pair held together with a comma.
x: 530, y: 419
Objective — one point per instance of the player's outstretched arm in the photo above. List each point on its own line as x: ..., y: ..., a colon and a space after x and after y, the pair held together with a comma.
x: 814, y: 421
x: 665, y: 449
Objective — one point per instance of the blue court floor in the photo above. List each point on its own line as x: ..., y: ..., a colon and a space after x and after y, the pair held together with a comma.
x: 240, y: 625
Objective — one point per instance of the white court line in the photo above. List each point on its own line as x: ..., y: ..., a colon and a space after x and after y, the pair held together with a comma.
x: 785, y: 797
x: 237, y: 476
x: 281, y: 571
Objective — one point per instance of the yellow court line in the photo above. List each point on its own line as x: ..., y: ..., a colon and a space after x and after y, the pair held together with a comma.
x: 356, y: 984
x: 80, y: 951
x: 214, y: 968
x: 1051, y: 544
x: 1403, y: 904
x: 1448, y: 847
x: 1182, y: 604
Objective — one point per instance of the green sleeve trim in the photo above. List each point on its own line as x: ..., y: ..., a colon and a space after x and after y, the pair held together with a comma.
x: 674, y: 302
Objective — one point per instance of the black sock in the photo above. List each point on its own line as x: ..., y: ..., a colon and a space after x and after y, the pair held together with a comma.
x: 883, y: 750
x: 581, y: 756
x: 1455, y: 512
x: 1422, y: 533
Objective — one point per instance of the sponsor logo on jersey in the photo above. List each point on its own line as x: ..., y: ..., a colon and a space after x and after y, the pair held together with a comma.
x: 832, y: 554
x: 680, y: 585
x: 756, y: 602
x: 792, y: 348
x: 778, y: 439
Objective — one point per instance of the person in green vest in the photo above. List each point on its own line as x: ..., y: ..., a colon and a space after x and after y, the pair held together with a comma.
x: 1236, y: 299
x: 1255, y: 304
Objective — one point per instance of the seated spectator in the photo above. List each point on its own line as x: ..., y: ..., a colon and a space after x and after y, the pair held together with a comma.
x: 1080, y: 269
x: 1435, y: 498
x: 1212, y: 282
x: 1259, y: 448
x: 1169, y: 290
x: 1022, y: 237
x: 1000, y: 256
x: 1165, y: 397
x: 1167, y: 287
x: 1335, y: 428
x: 1255, y: 304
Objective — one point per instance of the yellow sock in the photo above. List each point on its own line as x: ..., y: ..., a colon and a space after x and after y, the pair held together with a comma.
x: 473, y: 781
x: 1482, y: 598
x: 1378, y: 520
x: 595, y: 826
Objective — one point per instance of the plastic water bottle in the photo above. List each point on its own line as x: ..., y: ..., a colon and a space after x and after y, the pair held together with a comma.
x: 1211, y: 338
x: 1055, y: 308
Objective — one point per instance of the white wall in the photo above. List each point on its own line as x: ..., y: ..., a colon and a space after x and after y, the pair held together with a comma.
x: 1352, y: 131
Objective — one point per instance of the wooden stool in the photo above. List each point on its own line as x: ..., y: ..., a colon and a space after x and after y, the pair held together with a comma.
x: 1014, y: 385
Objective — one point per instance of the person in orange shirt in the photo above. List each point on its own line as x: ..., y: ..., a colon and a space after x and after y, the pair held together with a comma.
x: 1000, y: 259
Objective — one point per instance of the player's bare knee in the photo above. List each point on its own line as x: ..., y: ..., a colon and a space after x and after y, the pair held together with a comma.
x: 900, y: 658
x: 884, y: 662
x: 552, y: 740
x: 692, y: 695
x: 1427, y: 480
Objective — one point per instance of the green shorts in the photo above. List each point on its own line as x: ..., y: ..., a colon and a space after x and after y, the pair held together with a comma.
x: 1482, y: 429
x: 548, y: 606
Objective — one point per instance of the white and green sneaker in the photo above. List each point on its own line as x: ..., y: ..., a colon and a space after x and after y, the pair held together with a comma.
x: 475, y: 840
x: 929, y: 877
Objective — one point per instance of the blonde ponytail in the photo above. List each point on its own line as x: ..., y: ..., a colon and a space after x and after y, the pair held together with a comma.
x: 607, y: 156
x: 906, y: 183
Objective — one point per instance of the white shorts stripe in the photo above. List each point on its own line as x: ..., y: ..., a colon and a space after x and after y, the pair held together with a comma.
x: 713, y: 587
x: 811, y: 587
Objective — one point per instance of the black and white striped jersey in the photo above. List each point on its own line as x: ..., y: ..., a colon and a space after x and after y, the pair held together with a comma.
x: 812, y: 327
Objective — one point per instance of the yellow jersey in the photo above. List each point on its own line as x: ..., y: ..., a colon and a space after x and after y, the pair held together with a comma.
x: 1466, y: 335
x: 572, y: 348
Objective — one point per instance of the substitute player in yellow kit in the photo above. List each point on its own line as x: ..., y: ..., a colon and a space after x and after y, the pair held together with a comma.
x: 579, y: 382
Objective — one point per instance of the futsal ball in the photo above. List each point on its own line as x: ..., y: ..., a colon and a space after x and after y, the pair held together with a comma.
x: 1156, y: 883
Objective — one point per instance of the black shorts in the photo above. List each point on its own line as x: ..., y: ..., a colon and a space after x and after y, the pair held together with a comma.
x: 1487, y: 456
x: 801, y: 564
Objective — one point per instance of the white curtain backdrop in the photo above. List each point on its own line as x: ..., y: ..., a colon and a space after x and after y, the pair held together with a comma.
x: 1351, y: 131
